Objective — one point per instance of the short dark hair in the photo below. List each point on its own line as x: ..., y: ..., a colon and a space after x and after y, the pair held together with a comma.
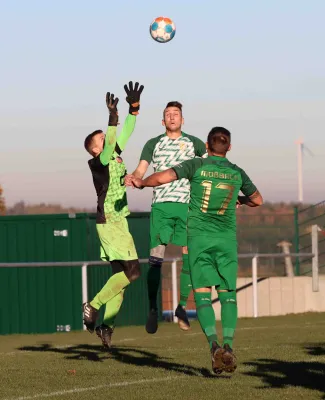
x: 89, y: 139
x: 176, y: 104
x: 219, y: 140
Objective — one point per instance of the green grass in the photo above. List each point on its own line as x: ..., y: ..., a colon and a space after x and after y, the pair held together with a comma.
x: 279, y: 356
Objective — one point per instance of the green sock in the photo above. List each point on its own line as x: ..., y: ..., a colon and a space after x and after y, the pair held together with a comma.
x: 153, y: 282
x: 229, y: 315
x: 185, y: 281
x: 206, y: 316
x: 112, y: 308
x: 113, y: 286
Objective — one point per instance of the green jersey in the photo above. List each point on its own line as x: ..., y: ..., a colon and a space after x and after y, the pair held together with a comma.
x: 215, y: 184
x: 108, y: 171
x: 165, y: 153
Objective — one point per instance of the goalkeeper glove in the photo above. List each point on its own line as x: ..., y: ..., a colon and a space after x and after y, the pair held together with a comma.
x: 112, y: 109
x: 133, y: 97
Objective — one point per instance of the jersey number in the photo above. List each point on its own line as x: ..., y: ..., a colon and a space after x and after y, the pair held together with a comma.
x: 207, y: 185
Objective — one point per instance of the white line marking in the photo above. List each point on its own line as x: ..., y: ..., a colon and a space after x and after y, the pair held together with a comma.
x: 87, y: 389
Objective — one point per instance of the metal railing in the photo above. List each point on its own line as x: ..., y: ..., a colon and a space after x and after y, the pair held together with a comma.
x: 255, y: 257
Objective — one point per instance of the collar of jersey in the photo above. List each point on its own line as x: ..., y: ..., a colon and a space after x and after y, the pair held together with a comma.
x: 218, y: 157
x: 183, y: 134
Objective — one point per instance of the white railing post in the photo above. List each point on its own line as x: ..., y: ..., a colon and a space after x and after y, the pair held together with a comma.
x: 84, y: 285
x: 254, y: 278
x: 314, y: 250
x: 174, y: 289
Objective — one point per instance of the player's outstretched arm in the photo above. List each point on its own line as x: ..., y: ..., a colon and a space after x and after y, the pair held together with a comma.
x: 254, y: 200
x: 133, y: 99
x: 110, y: 138
x: 156, y: 179
x: 145, y: 160
x: 138, y: 173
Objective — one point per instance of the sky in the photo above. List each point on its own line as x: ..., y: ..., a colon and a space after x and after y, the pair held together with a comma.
x: 254, y: 67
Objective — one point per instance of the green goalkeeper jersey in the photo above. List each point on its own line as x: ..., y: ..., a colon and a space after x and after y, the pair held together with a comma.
x: 215, y: 184
x: 108, y: 171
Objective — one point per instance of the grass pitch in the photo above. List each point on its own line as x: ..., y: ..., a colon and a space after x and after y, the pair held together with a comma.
x: 279, y: 356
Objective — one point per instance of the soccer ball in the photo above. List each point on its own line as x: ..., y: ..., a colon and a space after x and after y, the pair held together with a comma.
x: 162, y: 29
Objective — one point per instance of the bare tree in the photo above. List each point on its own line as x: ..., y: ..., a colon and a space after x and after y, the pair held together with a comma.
x: 2, y: 202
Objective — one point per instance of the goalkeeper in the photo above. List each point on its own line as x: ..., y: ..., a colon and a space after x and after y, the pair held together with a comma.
x: 117, y: 246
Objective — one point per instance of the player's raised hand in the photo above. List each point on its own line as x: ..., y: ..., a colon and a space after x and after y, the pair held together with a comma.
x: 133, y: 97
x: 111, y: 104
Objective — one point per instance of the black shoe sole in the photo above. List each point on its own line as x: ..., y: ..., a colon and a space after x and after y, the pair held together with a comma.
x: 152, y: 324
x: 90, y: 328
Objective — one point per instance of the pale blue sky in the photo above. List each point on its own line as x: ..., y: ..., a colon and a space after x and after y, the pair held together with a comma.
x: 255, y: 67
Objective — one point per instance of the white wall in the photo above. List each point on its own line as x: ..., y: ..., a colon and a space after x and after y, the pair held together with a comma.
x: 278, y: 296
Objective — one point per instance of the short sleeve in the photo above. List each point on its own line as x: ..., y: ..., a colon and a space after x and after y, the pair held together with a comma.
x: 247, y: 187
x: 199, y: 146
x: 147, y: 150
x: 95, y: 163
x: 187, y: 168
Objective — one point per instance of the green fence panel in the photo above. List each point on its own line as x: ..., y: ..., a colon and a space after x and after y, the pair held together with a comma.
x: 36, y: 300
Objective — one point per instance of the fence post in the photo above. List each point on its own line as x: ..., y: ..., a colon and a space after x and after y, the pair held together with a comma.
x: 254, y: 277
x: 297, y: 244
x: 84, y: 285
x: 314, y: 250
x: 174, y: 289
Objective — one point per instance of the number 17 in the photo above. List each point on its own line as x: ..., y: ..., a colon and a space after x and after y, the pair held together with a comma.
x: 207, y: 193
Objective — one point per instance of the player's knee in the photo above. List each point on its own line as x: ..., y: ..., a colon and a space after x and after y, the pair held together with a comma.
x: 132, y: 270
x: 229, y: 296
x: 157, y: 256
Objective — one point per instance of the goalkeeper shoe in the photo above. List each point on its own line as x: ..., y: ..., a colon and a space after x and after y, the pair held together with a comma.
x: 90, y: 315
x: 217, y: 358
x: 183, y: 321
x: 152, y: 321
x: 229, y: 359
x: 104, y: 333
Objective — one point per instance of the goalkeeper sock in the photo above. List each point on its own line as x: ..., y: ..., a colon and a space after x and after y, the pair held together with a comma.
x: 228, y: 315
x: 153, y: 282
x: 206, y: 316
x: 185, y: 282
x: 112, y: 308
x: 113, y: 286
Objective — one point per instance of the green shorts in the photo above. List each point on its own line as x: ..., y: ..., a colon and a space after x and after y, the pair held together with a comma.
x: 168, y: 224
x: 116, y: 241
x: 213, y: 262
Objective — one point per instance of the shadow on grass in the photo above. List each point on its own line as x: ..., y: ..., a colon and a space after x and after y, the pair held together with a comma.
x: 126, y: 355
x: 316, y: 349
x: 304, y: 374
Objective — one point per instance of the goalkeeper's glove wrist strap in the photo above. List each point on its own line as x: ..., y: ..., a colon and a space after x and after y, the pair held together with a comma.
x: 113, y: 119
x: 134, y: 108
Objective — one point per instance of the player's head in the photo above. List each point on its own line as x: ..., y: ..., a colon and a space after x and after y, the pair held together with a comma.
x: 94, y: 142
x: 218, y: 141
x: 173, y: 116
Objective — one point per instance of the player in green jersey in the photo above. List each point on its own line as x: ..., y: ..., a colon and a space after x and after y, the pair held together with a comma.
x: 169, y: 208
x: 117, y: 246
x: 212, y: 242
